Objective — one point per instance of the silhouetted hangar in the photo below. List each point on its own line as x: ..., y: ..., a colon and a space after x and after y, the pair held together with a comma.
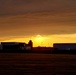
x: 64, y: 46
x: 14, y: 46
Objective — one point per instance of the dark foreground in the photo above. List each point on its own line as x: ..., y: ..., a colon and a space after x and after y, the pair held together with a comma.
x: 37, y: 64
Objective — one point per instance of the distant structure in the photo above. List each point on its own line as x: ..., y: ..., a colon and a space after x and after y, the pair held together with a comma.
x: 64, y: 46
x: 16, y: 45
x: 29, y: 45
x: 12, y: 46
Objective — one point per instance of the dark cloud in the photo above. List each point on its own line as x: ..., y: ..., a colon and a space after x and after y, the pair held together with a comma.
x: 29, y: 17
x: 43, y: 23
x: 14, y: 7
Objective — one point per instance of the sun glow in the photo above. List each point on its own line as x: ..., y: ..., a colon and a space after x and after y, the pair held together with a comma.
x: 45, y: 40
x: 39, y: 40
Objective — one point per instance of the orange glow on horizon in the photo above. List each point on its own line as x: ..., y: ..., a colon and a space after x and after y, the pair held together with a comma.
x: 47, y: 40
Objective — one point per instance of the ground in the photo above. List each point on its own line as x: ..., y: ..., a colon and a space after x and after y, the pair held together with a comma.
x: 37, y: 64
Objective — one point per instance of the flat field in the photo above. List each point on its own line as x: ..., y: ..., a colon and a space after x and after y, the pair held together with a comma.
x: 37, y: 64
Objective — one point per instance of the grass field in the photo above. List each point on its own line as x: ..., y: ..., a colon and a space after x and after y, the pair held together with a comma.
x: 37, y: 64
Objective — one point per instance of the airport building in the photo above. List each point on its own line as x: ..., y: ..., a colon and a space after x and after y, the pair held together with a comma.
x: 15, y: 46
x: 64, y: 46
x: 12, y: 46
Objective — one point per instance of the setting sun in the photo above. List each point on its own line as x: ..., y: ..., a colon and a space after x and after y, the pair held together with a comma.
x: 39, y: 39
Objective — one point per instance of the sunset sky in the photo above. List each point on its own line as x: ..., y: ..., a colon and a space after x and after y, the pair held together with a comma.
x: 43, y: 21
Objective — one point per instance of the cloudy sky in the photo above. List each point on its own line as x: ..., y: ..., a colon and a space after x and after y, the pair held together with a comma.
x: 32, y: 17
